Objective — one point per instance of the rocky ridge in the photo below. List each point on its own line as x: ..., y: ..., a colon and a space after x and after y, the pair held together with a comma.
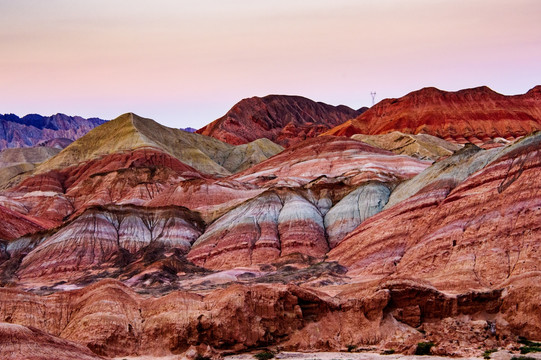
x: 477, y: 115
x: 286, y: 120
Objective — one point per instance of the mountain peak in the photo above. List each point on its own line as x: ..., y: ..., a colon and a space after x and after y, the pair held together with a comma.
x: 471, y: 115
x: 130, y: 131
x: 284, y: 119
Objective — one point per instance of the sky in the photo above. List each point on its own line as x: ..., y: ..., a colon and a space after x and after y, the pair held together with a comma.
x: 186, y: 63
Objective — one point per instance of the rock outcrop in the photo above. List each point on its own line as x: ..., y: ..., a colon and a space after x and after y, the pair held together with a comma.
x: 477, y: 115
x: 286, y: 120
x: 360, y: 204
x: 421, y: 146
x: 18, y: 342
x: 275, y: 224
x: 100, y: 237
x: 57, y: 143
x: 331, y: 159
x: 480, y: 234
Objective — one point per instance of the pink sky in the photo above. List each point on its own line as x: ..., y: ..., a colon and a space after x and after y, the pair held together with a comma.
x: 185, y: 63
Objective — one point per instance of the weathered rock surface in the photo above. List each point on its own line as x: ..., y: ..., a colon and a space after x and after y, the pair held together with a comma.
x: 31, y: 155
x: 211, y: 198
x: 480, y: 234
x: 244, y: 156
x: 14, y: 162
x: 15, y: 224
x: 20, y: 342
x: 275, y: 224
x: 110, y: 319
x: 421, y: 146
x: 445, y: 174
x: 280, y: 222
x: 360, y: 204
x: 331, y: 159
x: 286, y: 120
x: 124, y: 178
x: 330, y: 243
x: 130, y: 132
x: 100, y: 237
x: 475, y: 115
x: 32, y: 129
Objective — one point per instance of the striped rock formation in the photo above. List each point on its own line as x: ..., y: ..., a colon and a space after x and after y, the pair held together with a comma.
x: 127, y: 248
x: 286, y: 120
x: 477, y: 115
x: 475, y: 231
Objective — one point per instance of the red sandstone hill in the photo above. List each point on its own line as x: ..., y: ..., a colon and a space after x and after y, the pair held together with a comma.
x: 475, y: 115
x: 286, y: 120
x: 139, y: 240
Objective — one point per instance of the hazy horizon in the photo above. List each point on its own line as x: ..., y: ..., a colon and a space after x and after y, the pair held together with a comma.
x: 186, y: 64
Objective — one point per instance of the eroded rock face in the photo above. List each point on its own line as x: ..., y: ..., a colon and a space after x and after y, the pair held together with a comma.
x: 362, y: 203
x: 331, y: 159
x: 15, y: 225
x: 329, y: 244
x: 130, y: 132
x: 476, y: 115
x: 97, y: 238
x: 17, y: 341
x: 421, y: 146
x: 130, y: 177
x: 274, y: 224
x: 32, y: 155
x: 479, y: 235
x: 110, y: 319
x: 285, y: 120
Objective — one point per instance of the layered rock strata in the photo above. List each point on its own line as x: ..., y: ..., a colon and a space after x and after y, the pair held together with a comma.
x: 477, y: 115
x: 286, y: 120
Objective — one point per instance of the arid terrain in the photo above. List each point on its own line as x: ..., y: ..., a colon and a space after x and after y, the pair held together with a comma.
x: 285, y: 225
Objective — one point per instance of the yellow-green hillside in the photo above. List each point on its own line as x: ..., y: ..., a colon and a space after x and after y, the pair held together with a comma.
x: 129, y: 132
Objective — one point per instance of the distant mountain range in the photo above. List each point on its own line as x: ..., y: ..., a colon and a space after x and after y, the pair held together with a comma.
x: 33, y: 129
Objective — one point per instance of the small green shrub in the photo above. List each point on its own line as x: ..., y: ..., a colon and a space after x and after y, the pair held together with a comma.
x: 388, y: 352
x: 522, y: 340
x: 523, y: 358
x: 423, y: 348
x: 264, y: 355
x: 529, y: 349
x: 351, y: 347
x: 529, y: 346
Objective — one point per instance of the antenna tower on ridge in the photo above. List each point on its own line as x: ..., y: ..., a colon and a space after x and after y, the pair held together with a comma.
x: 373, y: 93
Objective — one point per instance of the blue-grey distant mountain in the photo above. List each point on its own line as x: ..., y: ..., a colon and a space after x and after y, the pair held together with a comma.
x: 33, y: 128
x: 189, y: 129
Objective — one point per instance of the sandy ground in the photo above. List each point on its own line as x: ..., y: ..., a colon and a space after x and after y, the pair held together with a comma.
x: 500, y: 355
x: 339, y: 356
x: 311, y: 356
